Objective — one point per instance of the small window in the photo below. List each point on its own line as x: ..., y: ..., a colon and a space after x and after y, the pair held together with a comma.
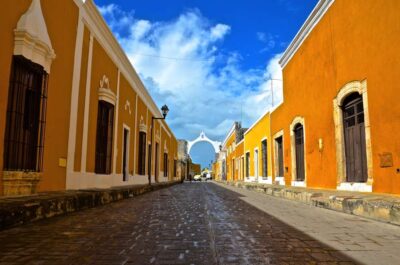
x: 104, y: 138
x: 26, y: 116
x: 142, y: 154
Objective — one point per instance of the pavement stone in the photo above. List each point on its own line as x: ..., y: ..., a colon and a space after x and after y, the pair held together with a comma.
x: 200, y: 223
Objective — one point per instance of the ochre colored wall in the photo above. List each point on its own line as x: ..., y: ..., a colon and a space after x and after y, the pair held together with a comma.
x: 239, y: 151
x: 230, y: 155
x: 81, y: 100
x: 353, y: 41
x: 101, y: 65
x: 141, y: 115
x: 252, y: 140
x: 60, y: 80
x: 126, y: 117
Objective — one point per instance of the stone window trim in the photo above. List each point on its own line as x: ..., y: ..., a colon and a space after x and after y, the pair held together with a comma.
x: 31, y: 38
x: 297, y: 120
x: 359, y: 87
x: 105, y: 93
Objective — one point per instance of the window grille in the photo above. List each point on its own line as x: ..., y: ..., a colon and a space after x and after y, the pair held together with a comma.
x: 104, y: 138
x: 26, y: 116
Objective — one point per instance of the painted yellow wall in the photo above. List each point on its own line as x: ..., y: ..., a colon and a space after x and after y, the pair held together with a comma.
x: 101, y: 65
x: 238, y: 155
x: 61, y: 19
x: 60, y: 80
x: 126, y: 117
x: 353, y: 41
x: 252, y: 140
x: 229, y: 146
x: 81, y: 100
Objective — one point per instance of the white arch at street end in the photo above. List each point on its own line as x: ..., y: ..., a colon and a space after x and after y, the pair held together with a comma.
x: 203, y: 138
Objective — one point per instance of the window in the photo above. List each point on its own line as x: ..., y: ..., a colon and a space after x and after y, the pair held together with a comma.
x: 104, y: 138
x: 247, y: 165
x: 165, y: 165
x: 26, y: 116
x: 264, y: 148
x: 142, y: 154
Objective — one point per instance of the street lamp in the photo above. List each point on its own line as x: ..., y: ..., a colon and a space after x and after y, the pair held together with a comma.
x: 164, y: 111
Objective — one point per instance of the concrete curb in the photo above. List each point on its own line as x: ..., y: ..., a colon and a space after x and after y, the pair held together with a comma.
x: 384, y: 208
x: 15, y: 211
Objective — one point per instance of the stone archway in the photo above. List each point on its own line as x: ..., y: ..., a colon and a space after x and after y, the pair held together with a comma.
x: 203, y: 138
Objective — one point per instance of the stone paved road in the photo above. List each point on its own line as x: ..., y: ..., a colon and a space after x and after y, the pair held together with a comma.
x: 202, y: 223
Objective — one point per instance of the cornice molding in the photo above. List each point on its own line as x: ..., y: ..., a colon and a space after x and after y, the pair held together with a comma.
x: 97, y: 25
x: 318, y: 12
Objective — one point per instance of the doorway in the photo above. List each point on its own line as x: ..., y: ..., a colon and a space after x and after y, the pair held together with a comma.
x: 125, y: 162
x: 354, y: 136
x: 256, y: 164
x: 279, y: 156
x: 299, y: 151
x: 156, y: 163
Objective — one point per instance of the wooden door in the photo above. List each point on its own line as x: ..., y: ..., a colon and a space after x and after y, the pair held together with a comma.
x: 264, y: 159
x: 125, y: 156
x: 299, y: 150
x: 354, y: 135
x: 279, y: 150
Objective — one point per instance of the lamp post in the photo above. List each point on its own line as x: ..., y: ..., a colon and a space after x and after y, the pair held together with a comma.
x: 164, y: 110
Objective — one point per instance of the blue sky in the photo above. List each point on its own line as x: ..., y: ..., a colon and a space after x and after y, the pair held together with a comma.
x: 210, y: 61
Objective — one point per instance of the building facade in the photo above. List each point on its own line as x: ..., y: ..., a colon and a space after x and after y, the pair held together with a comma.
x: 337, y: 126
x: 230, y: 162
x: 74, y: 112
x: 257, y: 151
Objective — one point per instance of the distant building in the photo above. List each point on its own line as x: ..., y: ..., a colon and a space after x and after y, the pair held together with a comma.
x: 184, y: 160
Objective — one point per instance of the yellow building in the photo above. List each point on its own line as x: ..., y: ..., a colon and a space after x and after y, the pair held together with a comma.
x: 337, y: 127
x: 74, y: 112
x: 232, y: 160
x: 338, y: 123
x: 257, y: 151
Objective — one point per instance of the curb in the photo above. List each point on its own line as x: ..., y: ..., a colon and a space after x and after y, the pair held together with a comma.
x: 16, y: 211
x: 377, y: 207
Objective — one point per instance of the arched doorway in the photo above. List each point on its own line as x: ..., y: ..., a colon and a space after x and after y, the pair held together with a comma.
x: 354, y: 138
x: 352, y: 98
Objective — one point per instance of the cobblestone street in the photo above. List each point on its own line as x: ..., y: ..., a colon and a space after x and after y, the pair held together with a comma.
x: 202, y: 223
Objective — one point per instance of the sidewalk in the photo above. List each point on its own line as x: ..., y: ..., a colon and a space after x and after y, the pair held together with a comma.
x: 380, y: 207
x: 23, y: 209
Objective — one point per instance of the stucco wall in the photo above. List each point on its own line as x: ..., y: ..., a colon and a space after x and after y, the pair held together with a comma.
x: 355, y: 40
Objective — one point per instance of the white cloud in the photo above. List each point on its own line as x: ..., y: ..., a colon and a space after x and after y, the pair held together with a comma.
x: 181, y: 64
x: 268, y: 39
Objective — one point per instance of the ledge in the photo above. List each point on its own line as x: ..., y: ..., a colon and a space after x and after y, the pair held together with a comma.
x: 379, y: 207
x: 19, y: 210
